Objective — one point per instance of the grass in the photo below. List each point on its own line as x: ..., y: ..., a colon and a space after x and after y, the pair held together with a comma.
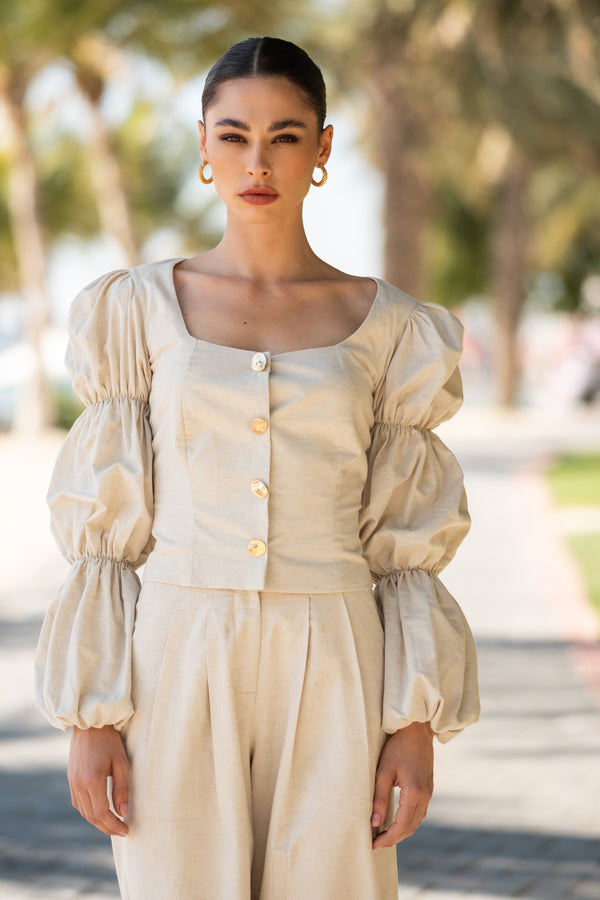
x: 584, y: 548
x: 575, y: 481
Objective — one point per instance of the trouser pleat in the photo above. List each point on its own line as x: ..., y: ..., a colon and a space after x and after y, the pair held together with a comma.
x: 253, y: 747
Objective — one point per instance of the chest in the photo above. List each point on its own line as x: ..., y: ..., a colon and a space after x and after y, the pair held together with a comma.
x: 279, y: 321
x: 203, y: 394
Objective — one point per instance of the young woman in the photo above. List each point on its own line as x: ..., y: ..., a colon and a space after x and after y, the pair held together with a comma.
x: 258, y: 431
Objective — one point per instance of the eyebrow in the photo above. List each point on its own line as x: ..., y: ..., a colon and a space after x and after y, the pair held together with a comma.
x: 281, y: 125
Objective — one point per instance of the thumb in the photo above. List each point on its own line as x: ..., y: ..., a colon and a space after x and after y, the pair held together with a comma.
x: 384, y: 782
x: 120, y: 786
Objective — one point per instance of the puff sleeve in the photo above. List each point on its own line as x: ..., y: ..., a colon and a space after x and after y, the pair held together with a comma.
x: 413, y: 518
x: 101, y: 504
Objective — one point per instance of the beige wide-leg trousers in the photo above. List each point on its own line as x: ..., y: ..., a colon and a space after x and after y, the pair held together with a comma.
x: 253, y: 748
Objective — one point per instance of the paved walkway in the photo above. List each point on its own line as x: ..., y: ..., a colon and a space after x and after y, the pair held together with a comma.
x: 517, y: 806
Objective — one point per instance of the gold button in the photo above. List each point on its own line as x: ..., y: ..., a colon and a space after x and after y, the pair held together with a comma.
x: 259, y: 362
x: 259, y: 426
x: 259, y: 489
x: 257, y: 548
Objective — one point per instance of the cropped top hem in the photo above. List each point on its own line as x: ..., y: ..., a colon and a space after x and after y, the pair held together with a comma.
x: 305, y: 579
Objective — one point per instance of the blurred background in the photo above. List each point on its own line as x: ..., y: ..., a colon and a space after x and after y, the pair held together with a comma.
x: 466, y: 170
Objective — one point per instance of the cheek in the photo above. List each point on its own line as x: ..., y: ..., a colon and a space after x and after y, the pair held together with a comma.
x: 304, y: 170
x: 215, y: 152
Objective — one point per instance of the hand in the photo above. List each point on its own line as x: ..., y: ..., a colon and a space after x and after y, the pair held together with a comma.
x: 406, y: 762
x: 95, y: 754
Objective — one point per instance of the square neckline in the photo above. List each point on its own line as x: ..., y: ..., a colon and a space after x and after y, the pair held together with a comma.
x: 179, y: 314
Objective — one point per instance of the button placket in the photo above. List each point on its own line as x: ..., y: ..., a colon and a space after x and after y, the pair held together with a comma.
x: 259, y: 363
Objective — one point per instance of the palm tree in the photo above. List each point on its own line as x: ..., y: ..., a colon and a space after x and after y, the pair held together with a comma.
x: 17, y: 69
x: 521, y: 73
x: 32, y: 36
x: 94, y: 59
x: 446, y: 73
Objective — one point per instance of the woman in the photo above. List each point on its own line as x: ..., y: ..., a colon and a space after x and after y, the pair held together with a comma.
x: 258, y: 430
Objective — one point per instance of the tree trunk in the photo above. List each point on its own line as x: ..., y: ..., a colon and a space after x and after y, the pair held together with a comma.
x: 107, y: 183
x: 508, y: 251
x: 34, y: 408
x: 406, y: 212
x: 399, y: 139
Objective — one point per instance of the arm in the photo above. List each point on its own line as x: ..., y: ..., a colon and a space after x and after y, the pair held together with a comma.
x: 413, y: 518
x: 101, y: 505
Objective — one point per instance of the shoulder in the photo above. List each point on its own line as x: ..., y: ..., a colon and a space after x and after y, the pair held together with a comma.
x: 421, y: 382
x: 426, y: 327
x: 107, y: 354
x: 121, y: 293
x: 99, y: 301
x: 123, y: 282
x: 425, y: 315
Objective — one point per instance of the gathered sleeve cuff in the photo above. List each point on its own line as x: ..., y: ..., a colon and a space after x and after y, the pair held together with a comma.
x: 101, y: 504
x: 413, y: 518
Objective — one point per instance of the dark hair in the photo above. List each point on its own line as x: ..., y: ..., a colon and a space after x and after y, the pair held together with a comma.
x: 265, y: 57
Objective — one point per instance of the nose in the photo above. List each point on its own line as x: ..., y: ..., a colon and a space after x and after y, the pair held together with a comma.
x: 258, y: 164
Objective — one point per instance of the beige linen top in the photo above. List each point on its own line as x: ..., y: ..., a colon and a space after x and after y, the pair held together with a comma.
x: 306, y: 471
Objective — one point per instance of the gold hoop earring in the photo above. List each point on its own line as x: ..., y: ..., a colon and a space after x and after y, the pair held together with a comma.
x: 201, y: 173
x: 323, y: 177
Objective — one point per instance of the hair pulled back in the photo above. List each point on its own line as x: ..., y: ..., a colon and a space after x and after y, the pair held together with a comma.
x: 268, y: 57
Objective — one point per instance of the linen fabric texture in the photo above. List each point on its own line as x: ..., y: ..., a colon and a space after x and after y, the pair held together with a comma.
x: 159, y: 468
x: 253, y: 747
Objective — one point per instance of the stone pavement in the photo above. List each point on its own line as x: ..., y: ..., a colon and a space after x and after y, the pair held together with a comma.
x: 516, y: 811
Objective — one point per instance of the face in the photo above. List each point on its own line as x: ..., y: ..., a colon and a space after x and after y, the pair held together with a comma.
x: 262, y: 142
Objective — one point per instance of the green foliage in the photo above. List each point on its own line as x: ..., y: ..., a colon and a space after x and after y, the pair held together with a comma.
x: 67, y: 406
x: 8, y: 263
x: 458, y: 248
x: 66, y: 202
x: 155, y: 163
x: 575, y: 480
x: 584, y: 548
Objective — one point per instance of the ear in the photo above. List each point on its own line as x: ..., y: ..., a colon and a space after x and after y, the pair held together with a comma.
x: 325, y: 145
x: 202, y: 131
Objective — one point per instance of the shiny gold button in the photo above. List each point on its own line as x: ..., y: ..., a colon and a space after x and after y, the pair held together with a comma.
x: 259, y: 489
x: 259, y: 362
x: 257, y: 548
x: 259, y: 426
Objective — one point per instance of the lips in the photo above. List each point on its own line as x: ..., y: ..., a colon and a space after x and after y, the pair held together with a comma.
x: 258, y: 195
x: 267, y: 191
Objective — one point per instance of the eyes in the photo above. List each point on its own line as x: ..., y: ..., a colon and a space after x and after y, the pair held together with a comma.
x: 278, y: 139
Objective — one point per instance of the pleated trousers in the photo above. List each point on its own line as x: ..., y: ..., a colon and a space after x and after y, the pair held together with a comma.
x: 253, y: 748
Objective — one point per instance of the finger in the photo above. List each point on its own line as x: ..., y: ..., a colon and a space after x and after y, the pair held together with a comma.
x: 409, y: 816
x: 398, y: 831
x: 120, y: 786
x: 384, y: 782
x: 100, y: 815
x: 91, y: 800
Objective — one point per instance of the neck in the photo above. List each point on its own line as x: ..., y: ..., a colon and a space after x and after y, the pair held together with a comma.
x: 264, y: 254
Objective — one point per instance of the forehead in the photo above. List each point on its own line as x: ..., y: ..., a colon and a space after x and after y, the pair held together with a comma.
x: 261, y: 100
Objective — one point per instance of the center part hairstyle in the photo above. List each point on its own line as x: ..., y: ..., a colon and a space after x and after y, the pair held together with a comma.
x: 264, y: 57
